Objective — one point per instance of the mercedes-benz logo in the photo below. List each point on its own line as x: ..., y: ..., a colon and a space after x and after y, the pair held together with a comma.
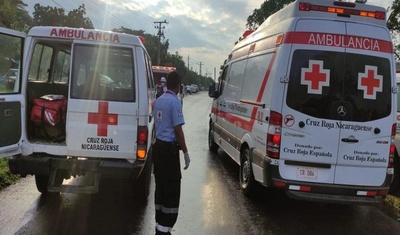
x: 341, y: 110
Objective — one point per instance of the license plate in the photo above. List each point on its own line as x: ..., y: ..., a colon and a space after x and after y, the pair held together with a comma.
x: 306, y: 172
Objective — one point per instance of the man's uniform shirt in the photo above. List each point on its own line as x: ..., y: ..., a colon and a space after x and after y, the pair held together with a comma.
x: 168, y: 114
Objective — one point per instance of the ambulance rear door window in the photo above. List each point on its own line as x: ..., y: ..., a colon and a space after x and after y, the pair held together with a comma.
x: 322, y: 81
x: 313, y: 97
x: 103, y: 73
x: 368, y: 87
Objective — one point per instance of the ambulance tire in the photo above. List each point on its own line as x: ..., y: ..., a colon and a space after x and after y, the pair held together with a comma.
x: 395, y: 185
x: 42, y: 184
x: 212, y: 146
x: 247, y: 182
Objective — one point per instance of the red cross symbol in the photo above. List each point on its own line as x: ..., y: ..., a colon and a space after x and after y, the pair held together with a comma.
x: 370, y: 82
x: 103, y: 119
x: 315, y: 77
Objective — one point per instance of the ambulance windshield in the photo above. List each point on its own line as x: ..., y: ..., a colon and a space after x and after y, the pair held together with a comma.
x: 103, y: 73
x: 322, y: 82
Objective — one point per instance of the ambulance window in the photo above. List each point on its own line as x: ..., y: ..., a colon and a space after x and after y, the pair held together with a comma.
x: 103, y: 73
x: 149, y: 72
x: 310, y: 92
x: 398, y: 91
x: 62, y: 67
x: 235, y: 80
x: 10, y: 56
x: 255, y: 72
x: 221, y: 80
x: 40, y: 63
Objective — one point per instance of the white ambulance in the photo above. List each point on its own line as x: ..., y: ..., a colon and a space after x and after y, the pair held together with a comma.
x: 105, y: 127
x: 306, y: 103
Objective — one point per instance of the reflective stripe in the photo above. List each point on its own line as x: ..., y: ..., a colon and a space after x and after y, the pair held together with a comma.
x: 167, y: 210
x: 170, y: 210
x: 158, y: 207
x: 163, y: 228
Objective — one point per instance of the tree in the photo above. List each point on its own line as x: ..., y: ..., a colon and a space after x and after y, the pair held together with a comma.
x: 150, y: 42
x: 53, y: 16
x: 14, y: 16
x: 76, y: 18
x: 267, y: 8
x: 393, y: 24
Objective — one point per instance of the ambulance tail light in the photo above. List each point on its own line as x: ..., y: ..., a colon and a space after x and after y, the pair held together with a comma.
x: 142, y: 137
x: 303, y: 6
x: 392, y: 147
x: 339, y: 9
x: 274, y: 135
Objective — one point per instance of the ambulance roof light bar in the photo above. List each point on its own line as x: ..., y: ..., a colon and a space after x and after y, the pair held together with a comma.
x: 379, y: 15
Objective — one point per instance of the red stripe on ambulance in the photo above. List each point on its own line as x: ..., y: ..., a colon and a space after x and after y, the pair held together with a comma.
x: 245, y: 124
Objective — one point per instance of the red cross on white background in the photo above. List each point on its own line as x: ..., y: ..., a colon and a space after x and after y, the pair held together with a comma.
x: 370, y: 82
x: 103, y: 119
x: 315, y: 77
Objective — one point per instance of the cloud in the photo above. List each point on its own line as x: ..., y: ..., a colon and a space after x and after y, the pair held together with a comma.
x: 205, y: 30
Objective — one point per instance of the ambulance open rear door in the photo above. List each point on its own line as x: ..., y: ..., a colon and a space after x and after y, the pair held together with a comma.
x: 12, y: 102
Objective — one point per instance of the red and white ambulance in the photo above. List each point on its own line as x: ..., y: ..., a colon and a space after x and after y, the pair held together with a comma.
x: 307, y: 103
x: 104, y: 127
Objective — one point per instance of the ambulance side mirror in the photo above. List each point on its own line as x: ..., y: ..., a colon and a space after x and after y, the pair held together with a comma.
x: 212, y: 92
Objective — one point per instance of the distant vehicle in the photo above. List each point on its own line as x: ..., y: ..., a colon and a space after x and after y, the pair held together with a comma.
x: 163, y: 71
x: 10, y: 77
x: 189, y: 89
x: 195, y: 88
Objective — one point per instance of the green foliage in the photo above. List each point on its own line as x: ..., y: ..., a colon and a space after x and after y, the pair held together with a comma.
x: 393, y: 24
x: 53, y: 16
x: 150, y: 42
x: 267, y: 8
x: 14, y: 16
x: 6, y: 177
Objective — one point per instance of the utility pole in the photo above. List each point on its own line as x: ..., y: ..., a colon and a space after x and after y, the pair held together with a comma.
x: 200, y: 64
x: 188, y: 63
x: 160, y: 33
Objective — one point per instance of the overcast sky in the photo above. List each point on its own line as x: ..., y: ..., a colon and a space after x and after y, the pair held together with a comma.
x: 204, y: 30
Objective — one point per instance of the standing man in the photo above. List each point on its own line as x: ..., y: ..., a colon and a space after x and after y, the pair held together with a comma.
x: 169, y: 140
x: 162, y: 87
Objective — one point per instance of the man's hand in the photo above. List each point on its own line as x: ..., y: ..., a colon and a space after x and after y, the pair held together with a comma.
x: 187, y: 160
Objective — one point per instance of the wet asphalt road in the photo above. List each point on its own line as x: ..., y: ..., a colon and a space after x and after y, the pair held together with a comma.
x: 211, y: 202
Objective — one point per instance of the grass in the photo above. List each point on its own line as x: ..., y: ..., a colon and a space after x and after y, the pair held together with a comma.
x: 394, y: 201
x: 6, y: 177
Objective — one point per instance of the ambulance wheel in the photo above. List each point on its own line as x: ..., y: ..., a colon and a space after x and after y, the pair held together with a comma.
x: 211, y: 143
x: 42, y: 183
x: 395, y: 185
x: 247, y: 182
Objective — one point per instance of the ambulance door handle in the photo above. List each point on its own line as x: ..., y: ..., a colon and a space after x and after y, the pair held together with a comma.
x: 150, y: 117
x: 348, y: 140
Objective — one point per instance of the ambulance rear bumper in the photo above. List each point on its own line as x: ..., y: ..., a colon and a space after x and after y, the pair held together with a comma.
x: 330, y: 193
x: 107, y: 168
